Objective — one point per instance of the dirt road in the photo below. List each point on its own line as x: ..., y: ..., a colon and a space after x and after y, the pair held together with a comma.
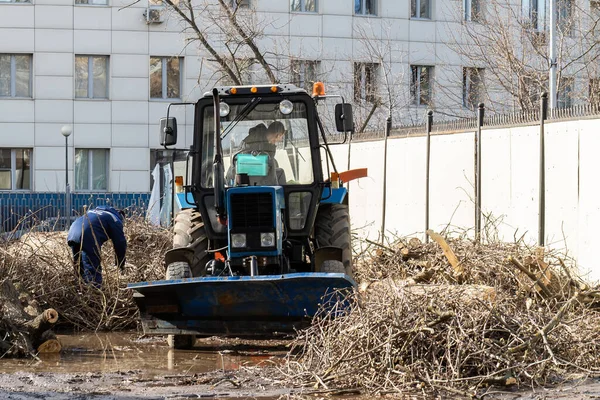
x: 123, y: 366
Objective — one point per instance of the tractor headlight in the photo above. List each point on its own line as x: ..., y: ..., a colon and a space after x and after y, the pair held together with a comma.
x: 267, y: 239
x: 224, y: 109
x: 286, y: 107
x: 238, y: 240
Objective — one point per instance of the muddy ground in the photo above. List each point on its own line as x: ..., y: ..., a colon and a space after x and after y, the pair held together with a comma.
x: 125, y: 366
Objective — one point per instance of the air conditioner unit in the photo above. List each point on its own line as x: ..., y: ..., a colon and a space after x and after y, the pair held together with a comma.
x: 154, y: 15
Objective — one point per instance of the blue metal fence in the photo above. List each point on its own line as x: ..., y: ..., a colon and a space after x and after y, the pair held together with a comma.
x: 23, y: 210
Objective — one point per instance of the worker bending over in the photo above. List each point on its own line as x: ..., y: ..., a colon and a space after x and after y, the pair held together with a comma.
x: 87, y: 235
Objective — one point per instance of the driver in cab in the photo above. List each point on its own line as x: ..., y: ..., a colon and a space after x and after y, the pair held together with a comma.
x: 263, y: 140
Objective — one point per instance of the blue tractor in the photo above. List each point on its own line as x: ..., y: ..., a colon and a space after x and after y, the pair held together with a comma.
x: 266, y: 237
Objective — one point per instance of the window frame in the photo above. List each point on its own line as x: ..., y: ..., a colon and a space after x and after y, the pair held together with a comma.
x: 239, y: 4
x: 299, y: 72
x: 469, y: 6
x: 564, y: 97
x: 13, y: 169
x: 92, y: 4
x: 416, y: 89
x: 90, y: 163
x: 303, y: 7
x: 535, y: 15
x: 416, y: 13
x: 363, y: 8
x: 369, y: 89
x: 164, y: 79
x: 594, y: 90
x: 467, y: 86
x: 565, y: 12
x: 13, y: 76
x: 90, y: 77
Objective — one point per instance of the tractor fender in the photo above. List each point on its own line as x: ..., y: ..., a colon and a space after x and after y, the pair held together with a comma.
x: 327, y: 253
x: 180, y: 254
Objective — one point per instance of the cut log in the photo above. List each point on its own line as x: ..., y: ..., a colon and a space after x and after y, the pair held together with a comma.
x: 21, y: 335
x: 50, y: 346
x: 448, y: 252
x: 408, y: 287
x: 48, y: 343
x: 414, y: 243
x: 42, y: 322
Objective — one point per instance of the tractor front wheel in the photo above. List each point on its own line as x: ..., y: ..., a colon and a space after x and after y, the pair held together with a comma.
x: 190, y: 232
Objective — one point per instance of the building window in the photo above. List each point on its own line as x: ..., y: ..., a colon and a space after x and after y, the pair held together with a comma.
x: 420, y: 88
x: 565, y: 92
x: 15, y: 1
x: 165, y: 77
x: 472, y: 10
x: 534, y: 14
x: 595, y: 16
x: 91, y: 169
x: 91, y: 2
x: 15, y: 169
x: 565, y: 16
x: 304, y: 5
x: 365, y: 81
x: 594, y: 90
x: 91, y: 77
x: 365, y: 7
x: 15, y: 75
x: 472, y: 87
x: 420, y: 9
x: 304, y: 73
x: 235, y: 4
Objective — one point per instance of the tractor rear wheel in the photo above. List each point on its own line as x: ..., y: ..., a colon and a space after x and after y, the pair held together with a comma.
x: 190, y: 232
x: 332, y: 228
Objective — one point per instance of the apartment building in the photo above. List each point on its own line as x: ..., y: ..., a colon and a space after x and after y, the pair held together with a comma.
x: 109, y: 69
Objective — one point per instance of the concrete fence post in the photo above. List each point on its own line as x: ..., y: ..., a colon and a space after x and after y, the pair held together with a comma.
x: 542, y: 173
x: 477, y: 183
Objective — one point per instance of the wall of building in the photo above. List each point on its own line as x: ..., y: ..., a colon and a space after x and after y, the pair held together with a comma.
x: 55, y: 31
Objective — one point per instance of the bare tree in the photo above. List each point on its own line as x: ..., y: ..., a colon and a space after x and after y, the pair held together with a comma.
x: 379, y: 87
x: 230, y: 31
x: 507, y: 42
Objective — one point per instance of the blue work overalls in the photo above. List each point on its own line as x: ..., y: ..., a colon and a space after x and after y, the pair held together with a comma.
x: 86, y: 237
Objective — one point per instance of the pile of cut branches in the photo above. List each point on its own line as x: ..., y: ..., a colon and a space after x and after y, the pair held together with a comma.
x: 455, y: 316
x: 41, y: 265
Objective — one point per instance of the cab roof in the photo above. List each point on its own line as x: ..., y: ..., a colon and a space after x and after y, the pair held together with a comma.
x: 286, y: 88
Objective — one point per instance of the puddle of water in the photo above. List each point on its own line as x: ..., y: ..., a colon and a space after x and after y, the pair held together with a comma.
x: 114, y: 352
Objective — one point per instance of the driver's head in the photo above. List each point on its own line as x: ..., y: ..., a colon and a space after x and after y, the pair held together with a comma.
x: 275, y: 132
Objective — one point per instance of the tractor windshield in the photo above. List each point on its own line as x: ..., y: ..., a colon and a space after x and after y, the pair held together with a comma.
x: 265, y: 147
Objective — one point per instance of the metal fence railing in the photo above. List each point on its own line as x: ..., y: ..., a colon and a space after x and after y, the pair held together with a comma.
x: 23, y: 210
x: 515, y: 119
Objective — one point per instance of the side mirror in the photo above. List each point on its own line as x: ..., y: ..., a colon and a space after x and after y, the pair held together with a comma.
x: 343, y: 117
x: 168, y: 131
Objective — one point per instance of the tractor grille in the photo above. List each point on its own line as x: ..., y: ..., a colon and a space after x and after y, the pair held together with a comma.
x: 251, y: 210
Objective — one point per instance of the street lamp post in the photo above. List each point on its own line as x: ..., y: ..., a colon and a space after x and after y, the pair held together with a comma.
x: 66, y: 131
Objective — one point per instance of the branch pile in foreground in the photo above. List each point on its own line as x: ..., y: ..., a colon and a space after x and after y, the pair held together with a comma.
x: 41, y: 267
x: 461, y: 321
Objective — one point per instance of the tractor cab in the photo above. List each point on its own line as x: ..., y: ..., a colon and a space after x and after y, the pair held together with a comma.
x: 267, y: 236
